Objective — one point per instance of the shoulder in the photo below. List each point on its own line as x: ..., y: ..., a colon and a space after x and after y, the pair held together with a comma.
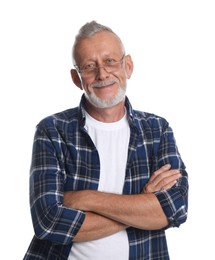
x: 62, y: 118
x: 145, y: 119
x: 149, y: 119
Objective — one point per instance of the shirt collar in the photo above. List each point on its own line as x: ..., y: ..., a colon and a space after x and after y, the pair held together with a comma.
x: 82, y: 116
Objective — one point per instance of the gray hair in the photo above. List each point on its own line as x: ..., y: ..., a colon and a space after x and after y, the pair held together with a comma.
x: 90, y: 29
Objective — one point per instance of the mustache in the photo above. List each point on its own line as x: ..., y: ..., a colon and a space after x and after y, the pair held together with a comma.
x: 103, y: 83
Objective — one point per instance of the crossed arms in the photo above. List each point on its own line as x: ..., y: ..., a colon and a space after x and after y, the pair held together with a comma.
x: 108, y: 213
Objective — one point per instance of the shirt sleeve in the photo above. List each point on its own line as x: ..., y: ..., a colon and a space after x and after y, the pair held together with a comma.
x: 51, y: 220
x: 174, y: 201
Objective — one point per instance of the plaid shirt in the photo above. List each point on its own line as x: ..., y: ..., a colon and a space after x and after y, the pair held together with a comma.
x: 65, y: 158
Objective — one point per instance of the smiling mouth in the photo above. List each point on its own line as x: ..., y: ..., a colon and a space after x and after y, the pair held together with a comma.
x: 106, y: 86
x: 103, y: 84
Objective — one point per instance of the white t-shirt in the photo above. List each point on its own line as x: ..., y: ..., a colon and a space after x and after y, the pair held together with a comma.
x: 111, y: 141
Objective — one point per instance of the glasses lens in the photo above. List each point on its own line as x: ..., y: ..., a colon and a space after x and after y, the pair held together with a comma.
x: 110, y: 68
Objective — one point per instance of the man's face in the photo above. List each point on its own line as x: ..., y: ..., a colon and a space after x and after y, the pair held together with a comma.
x: 104, y: 86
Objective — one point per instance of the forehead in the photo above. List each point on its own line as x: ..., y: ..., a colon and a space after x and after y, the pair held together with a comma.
x: 102, y: 43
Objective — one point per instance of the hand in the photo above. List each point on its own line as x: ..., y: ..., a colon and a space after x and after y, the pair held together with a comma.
x: 162, y: 179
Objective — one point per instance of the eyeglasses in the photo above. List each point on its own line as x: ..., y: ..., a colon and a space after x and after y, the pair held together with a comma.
x: 110, y: 65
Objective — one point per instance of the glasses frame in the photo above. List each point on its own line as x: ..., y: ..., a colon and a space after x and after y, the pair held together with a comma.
x: 96, y: 68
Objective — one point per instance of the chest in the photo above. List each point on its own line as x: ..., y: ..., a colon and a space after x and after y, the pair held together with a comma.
x: 83, y: 161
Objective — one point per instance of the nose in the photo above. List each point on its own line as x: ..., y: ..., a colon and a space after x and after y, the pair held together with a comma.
x: 102, y: 73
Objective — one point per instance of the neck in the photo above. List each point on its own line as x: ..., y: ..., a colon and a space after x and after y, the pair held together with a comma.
x: 106, y: 115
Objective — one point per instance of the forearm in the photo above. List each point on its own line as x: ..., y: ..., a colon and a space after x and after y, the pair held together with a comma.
x: 141, y: 211
x: 96, y: 226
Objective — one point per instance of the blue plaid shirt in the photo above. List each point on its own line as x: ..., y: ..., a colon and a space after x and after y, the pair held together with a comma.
x: 65, y: 158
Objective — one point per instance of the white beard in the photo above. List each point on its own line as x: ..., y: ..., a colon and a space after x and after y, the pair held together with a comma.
x: 100, y: 103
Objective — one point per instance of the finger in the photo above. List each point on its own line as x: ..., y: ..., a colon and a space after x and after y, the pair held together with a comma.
x: 168, y: 182
x: 167, y: 176
x: 169, y: 185
x: 163, y: 181
x: 163, y: 169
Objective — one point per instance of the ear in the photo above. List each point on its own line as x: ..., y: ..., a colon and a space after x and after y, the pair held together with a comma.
x: 75, y: 78
x: 128, y: 65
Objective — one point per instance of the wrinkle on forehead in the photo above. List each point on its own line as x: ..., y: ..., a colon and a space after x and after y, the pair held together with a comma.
x: 100, y: 44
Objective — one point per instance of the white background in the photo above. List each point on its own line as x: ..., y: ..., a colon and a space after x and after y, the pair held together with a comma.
x: 172, y: 44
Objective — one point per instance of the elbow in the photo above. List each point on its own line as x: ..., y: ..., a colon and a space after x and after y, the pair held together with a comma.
x: 57, y: 224
x: 41, y: 233
x: 180, y: 213
x: 179, y: 218
x: 48, y: 227
x: 52, y: 236
x: 175, y: 206
x: 54, y: 239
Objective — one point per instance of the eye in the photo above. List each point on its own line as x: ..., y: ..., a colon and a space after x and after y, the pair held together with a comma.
x: 89, y: 66
x: 109, y: 61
